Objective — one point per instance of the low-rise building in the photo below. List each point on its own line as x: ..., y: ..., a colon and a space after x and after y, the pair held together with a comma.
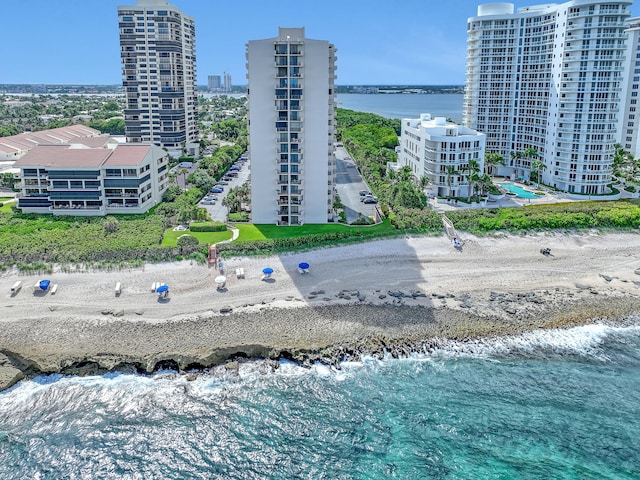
x: 15, y: 146
x: 440, y: 150
x: 74, y: 179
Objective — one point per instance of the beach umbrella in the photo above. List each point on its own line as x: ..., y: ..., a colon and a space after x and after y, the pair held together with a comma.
x: 44, y: 284
x: 303, y: 265
x: 220, y: 280
x: 267, y: 271
x: 162, y: 288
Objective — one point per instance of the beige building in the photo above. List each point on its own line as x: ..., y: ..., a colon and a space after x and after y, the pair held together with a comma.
x: 73, y: 179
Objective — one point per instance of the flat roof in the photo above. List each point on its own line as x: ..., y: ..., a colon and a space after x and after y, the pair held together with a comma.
x: 124, y: 155
x: 61, y: 156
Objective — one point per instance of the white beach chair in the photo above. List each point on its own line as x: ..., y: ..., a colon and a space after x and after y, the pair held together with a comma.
x: 16, y: 287
x: 154, y: 286
x: 118, y: 289
x: 54, y: 289
x: 239, y: 272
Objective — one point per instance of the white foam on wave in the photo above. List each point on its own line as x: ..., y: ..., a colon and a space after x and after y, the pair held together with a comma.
x: 584, y: 340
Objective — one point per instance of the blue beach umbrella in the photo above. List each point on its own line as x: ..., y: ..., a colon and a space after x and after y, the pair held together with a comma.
x: 267, y: 271
x: 44, y: 284
x: 162, y: 288
x: 303, y: 265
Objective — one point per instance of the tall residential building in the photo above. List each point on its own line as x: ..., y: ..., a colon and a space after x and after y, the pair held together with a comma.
x: 227, y: 82
x: 549, y: 78
x: 630, y: 128
x: 157, y: 44
x: 215, y: 83
x: 440, y: 151
x: 291, y: 95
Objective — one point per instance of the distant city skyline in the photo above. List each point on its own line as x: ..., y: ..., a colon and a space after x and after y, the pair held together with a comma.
x: 417, y: 43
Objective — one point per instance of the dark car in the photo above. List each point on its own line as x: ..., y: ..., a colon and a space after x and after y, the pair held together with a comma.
x: 363, y: 193
x: 218, y: 189
x: 235, y: 167
x: 370, y: 199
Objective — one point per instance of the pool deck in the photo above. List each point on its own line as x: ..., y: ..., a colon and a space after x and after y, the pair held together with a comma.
x: 509, y: 201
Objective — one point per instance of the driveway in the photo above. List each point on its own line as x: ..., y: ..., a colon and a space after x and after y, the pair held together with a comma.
x: 218, y: 211
x: 349, y: 182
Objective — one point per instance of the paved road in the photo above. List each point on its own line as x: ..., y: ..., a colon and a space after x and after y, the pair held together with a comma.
x: 218, y: 211
x: 349, y: 182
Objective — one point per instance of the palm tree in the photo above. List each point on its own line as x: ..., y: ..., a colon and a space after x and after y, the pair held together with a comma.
x: 492, y: 160
x: 530, y: 154
x: 515, y: 156
x: 450, y: 172
x: 474, y: 175
x: 424, y: 181
x: 538, y: 166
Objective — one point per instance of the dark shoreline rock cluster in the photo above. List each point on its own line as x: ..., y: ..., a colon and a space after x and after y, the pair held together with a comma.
x: 328, y: 334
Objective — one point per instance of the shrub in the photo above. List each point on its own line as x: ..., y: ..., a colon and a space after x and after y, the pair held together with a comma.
x: 187, y: 243
x: 239, y: 217
x: 630, y: 188
x: 207, y: 227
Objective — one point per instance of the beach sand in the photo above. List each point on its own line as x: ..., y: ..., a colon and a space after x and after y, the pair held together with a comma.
x: 364, y: 298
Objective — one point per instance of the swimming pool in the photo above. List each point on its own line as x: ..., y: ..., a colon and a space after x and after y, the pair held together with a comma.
x: 519, y: 191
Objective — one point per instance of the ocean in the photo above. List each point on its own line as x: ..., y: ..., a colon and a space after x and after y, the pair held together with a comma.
x: 411, y: 105
x: 545, y: 405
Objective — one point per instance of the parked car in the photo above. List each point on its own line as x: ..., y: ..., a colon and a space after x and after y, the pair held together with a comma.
x: 370, y: 200
x: 363, y: 193
x: 208, y: 202
x: 218, y: 189
x: 223, y: 182
x: 234, y: 167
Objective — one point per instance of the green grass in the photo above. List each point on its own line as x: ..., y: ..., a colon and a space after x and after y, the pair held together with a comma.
x: 250, y: 232
x: 170, y: 237
x: 6, y: 208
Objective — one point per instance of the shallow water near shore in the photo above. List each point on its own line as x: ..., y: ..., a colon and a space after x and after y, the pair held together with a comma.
x: 549, y: 404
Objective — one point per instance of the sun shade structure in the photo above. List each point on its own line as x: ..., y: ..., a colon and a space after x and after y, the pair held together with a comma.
x: 162, y: 288
x: 220, y: 280
x: 267, y: 271
x: 44, y: 284
x: 303, y: 266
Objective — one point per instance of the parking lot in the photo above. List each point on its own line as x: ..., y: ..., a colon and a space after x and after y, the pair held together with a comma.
x: 218, y: 211
x: 349, y: 183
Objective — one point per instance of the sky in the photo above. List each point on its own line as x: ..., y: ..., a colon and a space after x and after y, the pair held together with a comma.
x: 396, y: 42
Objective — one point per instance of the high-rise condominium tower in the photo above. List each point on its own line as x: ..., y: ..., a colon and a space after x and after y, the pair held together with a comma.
x: 291, y: 128
x: 547, y: 79
x: 630, y: 128
x: 157, y: 44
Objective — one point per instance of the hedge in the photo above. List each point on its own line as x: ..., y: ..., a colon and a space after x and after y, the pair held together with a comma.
x: 207, y: 227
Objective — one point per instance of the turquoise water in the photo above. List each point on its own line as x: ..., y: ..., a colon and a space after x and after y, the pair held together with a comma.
x: 548, y: 405
x: 519, y: 191
x: 411, y: 105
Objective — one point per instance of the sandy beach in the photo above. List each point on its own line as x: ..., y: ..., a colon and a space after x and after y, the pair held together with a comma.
x: 388, y: 295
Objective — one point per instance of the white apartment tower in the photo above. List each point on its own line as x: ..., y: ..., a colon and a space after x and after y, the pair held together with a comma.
x: 157, y: 44
x: 227, y: 82
x: 440, y: 151
x: 549, y: 78
x: 291, y: 128
x: 630, y: 128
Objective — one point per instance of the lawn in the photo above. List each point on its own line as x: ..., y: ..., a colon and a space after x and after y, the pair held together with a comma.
x: 6, y: 207
x: 260, y: 232
x: 170, y: 237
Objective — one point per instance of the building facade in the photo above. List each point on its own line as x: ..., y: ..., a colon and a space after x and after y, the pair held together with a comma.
x: 73, y: 179
x: 629, y: 129
x: 291, y: 96
x: 440, y: 151
x: 547, y: 80
x: 157, y: 45
x: 15, y: 146
x: 227, y: 82
x: 214, y: 83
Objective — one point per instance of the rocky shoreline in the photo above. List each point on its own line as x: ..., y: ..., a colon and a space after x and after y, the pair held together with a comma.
x: 327, y: 333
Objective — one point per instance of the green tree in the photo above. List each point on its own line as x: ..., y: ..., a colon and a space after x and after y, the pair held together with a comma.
x: 492, y: 160
x: 538, y: 166
x: 450, y: 173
